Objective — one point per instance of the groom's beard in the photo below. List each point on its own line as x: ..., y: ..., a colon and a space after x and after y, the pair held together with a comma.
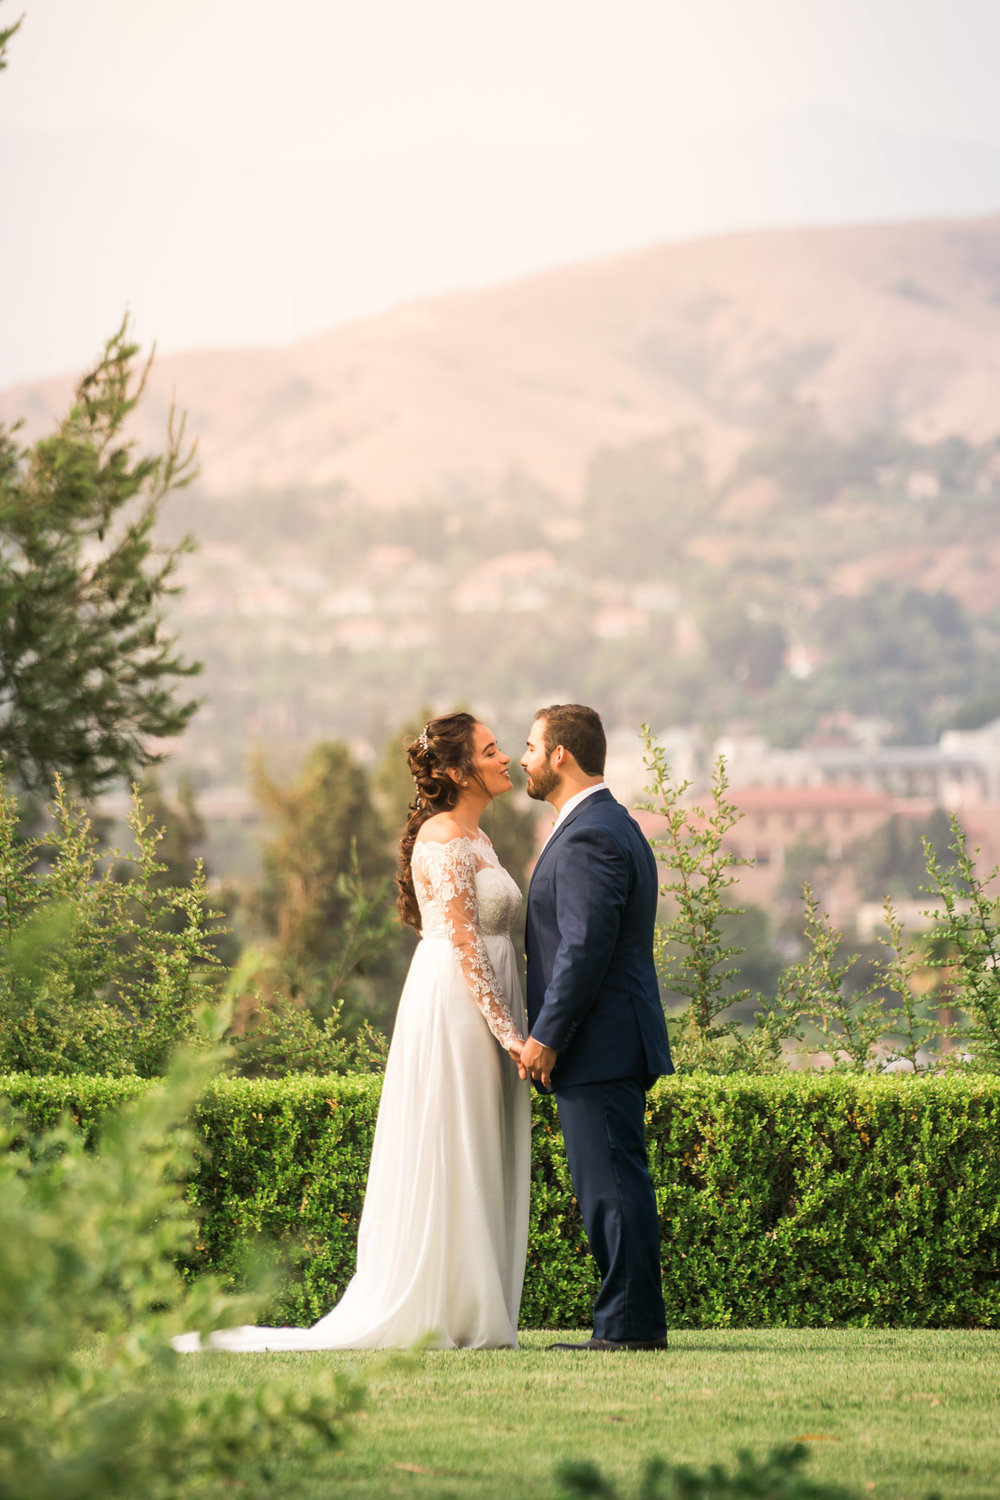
x: 541, y: 784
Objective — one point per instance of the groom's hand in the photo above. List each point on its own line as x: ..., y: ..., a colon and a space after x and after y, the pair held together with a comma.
x: 538, y: 1062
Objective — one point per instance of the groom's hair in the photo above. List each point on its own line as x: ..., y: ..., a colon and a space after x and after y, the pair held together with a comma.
x: 580, y: 731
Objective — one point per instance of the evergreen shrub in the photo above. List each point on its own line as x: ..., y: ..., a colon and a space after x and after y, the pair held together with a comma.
x: 787, y: 1200
x: 95, y: 1403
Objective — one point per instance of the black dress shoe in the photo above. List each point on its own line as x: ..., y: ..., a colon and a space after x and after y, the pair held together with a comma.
x: 608, y: 1346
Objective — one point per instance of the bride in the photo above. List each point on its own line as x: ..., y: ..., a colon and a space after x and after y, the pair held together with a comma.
x: 444, y: 1228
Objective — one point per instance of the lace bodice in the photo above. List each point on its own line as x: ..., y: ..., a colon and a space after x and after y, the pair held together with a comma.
x: 465, y: 895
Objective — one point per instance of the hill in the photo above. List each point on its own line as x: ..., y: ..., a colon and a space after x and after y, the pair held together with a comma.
x: 752, y: 479
x: 886, y: 325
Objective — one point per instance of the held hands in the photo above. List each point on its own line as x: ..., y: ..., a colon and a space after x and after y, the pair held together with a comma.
x: 536, y: 1062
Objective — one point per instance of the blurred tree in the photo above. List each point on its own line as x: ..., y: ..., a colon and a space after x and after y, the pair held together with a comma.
x: 891, y: 861
x: 6, y: 32
x: 639, y: 506
x: 896, y: 651
x: 974, y: 713
x: 760, y: 964
x: 326, y: 830
x: 895, y: 629
x: 746, y: 650
x: 88, y: 669
x: 808, y: 463
x: 392, y: 784
x: 510, y: 824
x: 806, y: 863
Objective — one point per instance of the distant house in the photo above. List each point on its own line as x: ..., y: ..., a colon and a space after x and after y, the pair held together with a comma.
x: 830, y: 818
x: 962, y: 769
x: 514, y: 581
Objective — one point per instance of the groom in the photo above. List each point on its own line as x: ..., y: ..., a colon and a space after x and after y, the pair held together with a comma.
x: 598, y: 1038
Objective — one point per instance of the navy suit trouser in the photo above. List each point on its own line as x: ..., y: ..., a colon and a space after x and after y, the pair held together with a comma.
x: 604, y: 1127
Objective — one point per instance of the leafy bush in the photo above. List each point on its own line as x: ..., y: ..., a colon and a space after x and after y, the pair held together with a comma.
x: 95, y: 1402
x: 286, y: 1039
x: 864, y: 1029
x: 97, y: 972
x: 104, y: 965
x: 853, y: 1029
x: 793, y: 1200
x: 313, y: 1030
x: 967, y: 944
x: 777, y: 1477
x: 284, y: 1168
x: 825, y: 1200
x: 798, y: 1201
x: 849, y: 1023
x: 693, y: 958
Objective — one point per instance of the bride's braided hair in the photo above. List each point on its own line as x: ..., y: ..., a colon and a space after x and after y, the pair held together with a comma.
x: 446, y: 744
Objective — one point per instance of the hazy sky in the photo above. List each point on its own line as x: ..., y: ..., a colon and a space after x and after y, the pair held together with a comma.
x: 350, y: 78
x: 356, y: 84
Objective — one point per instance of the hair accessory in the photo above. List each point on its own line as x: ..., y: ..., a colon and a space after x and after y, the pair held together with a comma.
x: 422, y: 738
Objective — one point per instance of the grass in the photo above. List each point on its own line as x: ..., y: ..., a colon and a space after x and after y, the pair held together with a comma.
x: 893, y: 1414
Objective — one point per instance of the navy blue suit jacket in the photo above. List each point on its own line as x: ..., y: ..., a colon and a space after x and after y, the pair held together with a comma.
x: 592, y: 990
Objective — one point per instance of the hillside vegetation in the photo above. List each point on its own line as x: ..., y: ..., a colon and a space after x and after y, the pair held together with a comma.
x: 753, y: 479
x: 821, y: 580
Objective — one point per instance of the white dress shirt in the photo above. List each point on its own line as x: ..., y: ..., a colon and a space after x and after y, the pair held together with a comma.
x: 574, y: 801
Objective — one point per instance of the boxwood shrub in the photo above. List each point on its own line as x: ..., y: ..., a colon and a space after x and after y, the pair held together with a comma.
x: 803, y: 1200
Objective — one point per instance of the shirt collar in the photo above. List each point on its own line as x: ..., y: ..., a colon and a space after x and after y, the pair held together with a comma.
x: 575, y: 801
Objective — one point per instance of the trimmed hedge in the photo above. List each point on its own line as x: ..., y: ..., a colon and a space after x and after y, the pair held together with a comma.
x: 795, y: 1200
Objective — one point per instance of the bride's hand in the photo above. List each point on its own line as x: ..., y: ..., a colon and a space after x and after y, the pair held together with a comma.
x: 515, y: 1053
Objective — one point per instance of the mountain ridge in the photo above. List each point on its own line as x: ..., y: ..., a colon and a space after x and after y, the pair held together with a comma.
x: 875, y: 326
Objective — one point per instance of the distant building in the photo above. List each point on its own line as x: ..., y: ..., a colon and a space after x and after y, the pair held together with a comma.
x: 831, y: 817
x: 962, y: 769
x: 774, y: 818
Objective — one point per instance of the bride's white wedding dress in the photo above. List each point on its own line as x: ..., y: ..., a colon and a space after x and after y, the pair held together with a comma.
x: 444, y: 1229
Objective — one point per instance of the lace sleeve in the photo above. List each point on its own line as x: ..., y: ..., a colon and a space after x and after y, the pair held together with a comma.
x: 450, y: 871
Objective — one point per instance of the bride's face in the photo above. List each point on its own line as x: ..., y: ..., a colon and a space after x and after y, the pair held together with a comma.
x: 489, y: 762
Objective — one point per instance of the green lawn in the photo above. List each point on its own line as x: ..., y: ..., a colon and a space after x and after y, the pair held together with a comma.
x: 891, y: 1414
